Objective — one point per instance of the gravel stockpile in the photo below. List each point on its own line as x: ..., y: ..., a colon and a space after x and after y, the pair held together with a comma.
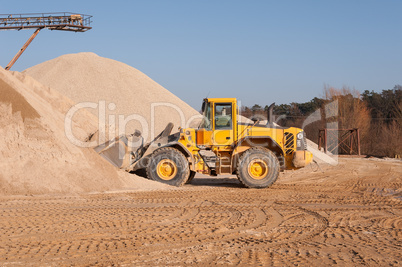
x: 126, y: 91
x: 36, y: 157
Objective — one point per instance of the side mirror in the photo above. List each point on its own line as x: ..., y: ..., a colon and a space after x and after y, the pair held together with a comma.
x: 204, y: 104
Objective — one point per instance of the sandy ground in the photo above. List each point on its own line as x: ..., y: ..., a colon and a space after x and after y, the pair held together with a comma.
x: 349, y: 214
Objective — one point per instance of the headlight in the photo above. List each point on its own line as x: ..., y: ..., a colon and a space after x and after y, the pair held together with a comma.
x: 300, y: 135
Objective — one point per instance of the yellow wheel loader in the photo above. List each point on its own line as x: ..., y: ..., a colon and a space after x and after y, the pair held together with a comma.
x: 256, y: 153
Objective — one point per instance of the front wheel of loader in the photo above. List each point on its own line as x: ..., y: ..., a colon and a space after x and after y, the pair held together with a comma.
x: 168, y: 165
x: 258, y: 167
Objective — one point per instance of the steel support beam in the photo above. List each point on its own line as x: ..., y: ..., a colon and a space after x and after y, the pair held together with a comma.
x: 348, y: 141
x: 24, y: 47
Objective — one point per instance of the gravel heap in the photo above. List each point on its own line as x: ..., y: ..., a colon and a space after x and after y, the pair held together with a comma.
x: 36, y: 157
x: 126, y: 91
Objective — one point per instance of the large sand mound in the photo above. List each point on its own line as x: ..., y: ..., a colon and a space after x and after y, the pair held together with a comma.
x: 87, y: 77
x: 35, y: 155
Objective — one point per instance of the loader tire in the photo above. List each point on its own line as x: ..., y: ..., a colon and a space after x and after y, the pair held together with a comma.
x: 168, y: 165
x: 190, y: 177
x: 258, y: 167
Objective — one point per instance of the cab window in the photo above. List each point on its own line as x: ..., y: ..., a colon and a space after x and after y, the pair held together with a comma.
x: 223, y: 116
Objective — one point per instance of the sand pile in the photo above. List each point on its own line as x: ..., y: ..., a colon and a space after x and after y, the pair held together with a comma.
x: 320, y: 156
x: 126, y: 91
x: 35, y: 155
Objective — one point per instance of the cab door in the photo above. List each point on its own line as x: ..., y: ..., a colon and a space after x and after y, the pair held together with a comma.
x: 223, y: 115
x: 204, y: 132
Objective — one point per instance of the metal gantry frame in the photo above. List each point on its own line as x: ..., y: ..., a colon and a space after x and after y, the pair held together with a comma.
x: 61, y: 21
x: 347, y: 141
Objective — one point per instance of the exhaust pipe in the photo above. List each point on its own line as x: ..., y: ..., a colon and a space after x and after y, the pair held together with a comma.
x: 270, y: 115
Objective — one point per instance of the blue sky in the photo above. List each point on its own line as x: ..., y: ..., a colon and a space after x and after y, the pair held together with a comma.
x: 259, y: 51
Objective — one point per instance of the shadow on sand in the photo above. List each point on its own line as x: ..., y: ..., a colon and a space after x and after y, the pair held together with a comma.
x: 205, y: 180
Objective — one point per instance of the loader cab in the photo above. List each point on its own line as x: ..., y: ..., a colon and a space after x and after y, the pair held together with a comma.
x: 219, y: 124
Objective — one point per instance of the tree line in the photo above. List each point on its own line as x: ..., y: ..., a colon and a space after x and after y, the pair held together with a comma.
x: 378, y: 116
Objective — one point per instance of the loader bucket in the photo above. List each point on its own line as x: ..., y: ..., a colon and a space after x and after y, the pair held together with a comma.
x: 127, y: 151
x: 120, y: 150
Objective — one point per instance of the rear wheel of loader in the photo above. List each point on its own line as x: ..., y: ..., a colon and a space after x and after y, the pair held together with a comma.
x: 258, y: 167
x: 168, y: 165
